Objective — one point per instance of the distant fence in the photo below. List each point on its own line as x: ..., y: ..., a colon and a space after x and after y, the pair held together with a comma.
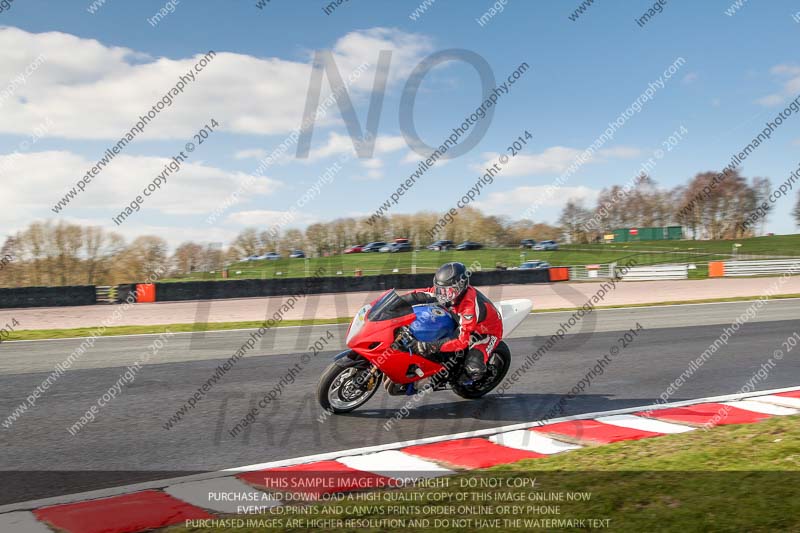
x: 252, y: 288
x: 590, y: 272
x: 47, y: 296
x: 718, y: 269
x: 655, y: 272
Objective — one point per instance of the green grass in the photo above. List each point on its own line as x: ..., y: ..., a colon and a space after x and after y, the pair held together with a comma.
x: 42, y: 334
x: 698, y: 252
x: 773, y: 245
x: 732, y: 478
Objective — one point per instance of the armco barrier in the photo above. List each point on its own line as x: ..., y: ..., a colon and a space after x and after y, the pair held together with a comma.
x: 251, y: 288
x: 758, y: 268
x: 591, y: 272
x: 47, y: 296
x: 655, y: 272
x: 126, y: 293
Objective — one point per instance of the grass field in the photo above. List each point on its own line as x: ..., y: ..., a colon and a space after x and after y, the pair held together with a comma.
x: 732, y: 478
x: 697, y: 252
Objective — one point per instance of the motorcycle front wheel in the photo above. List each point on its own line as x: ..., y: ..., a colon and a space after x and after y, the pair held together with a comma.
x: 340, y: 390
x: 496, y: 370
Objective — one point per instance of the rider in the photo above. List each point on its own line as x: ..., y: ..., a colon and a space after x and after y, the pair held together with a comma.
x: 480, y: 324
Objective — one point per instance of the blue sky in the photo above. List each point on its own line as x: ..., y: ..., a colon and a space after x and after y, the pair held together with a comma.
x: 102, y: 70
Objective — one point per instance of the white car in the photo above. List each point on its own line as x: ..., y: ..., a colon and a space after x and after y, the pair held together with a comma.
x: 545, y: 246
x: 534, y: 265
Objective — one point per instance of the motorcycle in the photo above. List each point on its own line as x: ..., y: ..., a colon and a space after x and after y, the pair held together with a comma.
x: 377, y: 342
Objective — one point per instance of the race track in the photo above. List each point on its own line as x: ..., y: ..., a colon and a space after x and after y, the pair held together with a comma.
x: 128, y: 442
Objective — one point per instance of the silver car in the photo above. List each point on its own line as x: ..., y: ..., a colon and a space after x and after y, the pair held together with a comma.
x: 546, y: 246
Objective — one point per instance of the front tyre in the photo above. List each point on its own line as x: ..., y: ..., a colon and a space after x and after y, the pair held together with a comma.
x: 343, y: 389
x: 496, y: 369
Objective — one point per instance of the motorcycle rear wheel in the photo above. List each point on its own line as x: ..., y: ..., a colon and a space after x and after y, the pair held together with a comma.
x: 495, y: 372
x: 338, y: 393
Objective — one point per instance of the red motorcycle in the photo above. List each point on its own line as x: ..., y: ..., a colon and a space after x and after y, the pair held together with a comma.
x: 378, y: 351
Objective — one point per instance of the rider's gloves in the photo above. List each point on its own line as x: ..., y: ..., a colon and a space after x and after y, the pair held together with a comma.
x: 426, y: 348
x: 404, y: 339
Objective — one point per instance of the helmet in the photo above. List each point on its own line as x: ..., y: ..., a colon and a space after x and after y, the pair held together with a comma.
x: 450, y: 282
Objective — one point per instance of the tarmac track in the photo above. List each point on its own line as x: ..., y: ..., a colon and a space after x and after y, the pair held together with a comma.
x: 128, y: 442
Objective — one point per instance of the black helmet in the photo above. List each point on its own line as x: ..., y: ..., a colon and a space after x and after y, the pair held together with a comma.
x: 450, y: 282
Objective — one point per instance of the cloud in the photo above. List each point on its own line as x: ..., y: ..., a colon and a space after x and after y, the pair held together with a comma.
x: 413, y: 157
x: 246, y: 94
x: 516, y: 201
x: 374, y: 170
x: 267, y: 218
x: 251, y: 153
x: 554, y: 160
x: 771, y: 100
x: 373, y: 163
x: 338, y: 143
x: 789, y: 76
x: 34, y: 182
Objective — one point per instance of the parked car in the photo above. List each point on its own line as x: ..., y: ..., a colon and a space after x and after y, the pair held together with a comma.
x: 441, y: 245
x: 469, y: 245
x: 534, y: 265
x: 527, y: 243
x: 297, y: 254
x: 401, y: 247
x: 402, y: 240
x: 546, y: 246
x: 251, y: 258
x: 355, y: 249
x: 373, y: 247
x: 270, y: 256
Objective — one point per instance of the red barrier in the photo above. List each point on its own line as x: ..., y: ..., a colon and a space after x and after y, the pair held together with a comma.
x: 559, y: 273
x: 716, y: 269
x: 145, y: 293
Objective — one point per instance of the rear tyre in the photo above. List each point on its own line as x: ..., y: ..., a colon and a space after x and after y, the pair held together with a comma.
x: 339, y: 391
x: 496, y: 370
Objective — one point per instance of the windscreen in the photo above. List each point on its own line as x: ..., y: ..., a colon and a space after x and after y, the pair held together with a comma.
x: 388, y: 307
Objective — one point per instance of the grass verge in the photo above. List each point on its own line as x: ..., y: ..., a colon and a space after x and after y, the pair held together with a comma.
x: 732, y: 478
x: 42, y: 334
x: 45, y: 334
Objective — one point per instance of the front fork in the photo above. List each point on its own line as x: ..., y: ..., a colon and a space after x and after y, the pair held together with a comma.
x: 366, y: 380
x: 351, y: 359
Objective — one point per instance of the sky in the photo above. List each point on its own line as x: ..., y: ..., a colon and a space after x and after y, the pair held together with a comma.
x: 72, y: 82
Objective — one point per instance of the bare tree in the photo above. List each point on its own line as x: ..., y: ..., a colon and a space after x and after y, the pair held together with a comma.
x: 573, y: 220
x: 247, y: 243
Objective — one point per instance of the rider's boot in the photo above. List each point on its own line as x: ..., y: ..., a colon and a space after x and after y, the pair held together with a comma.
x: 474, y: 366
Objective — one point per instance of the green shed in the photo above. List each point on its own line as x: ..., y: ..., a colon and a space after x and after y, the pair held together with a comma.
x: 659, y: 233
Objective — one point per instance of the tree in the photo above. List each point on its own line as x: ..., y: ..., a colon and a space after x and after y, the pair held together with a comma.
x: 293, y: 239
x: 573, y: 221
x: 100, y: 250
x: 317, y: 236
x: 188, y: 257
x: 247, y: 243
x: 144, y: 257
